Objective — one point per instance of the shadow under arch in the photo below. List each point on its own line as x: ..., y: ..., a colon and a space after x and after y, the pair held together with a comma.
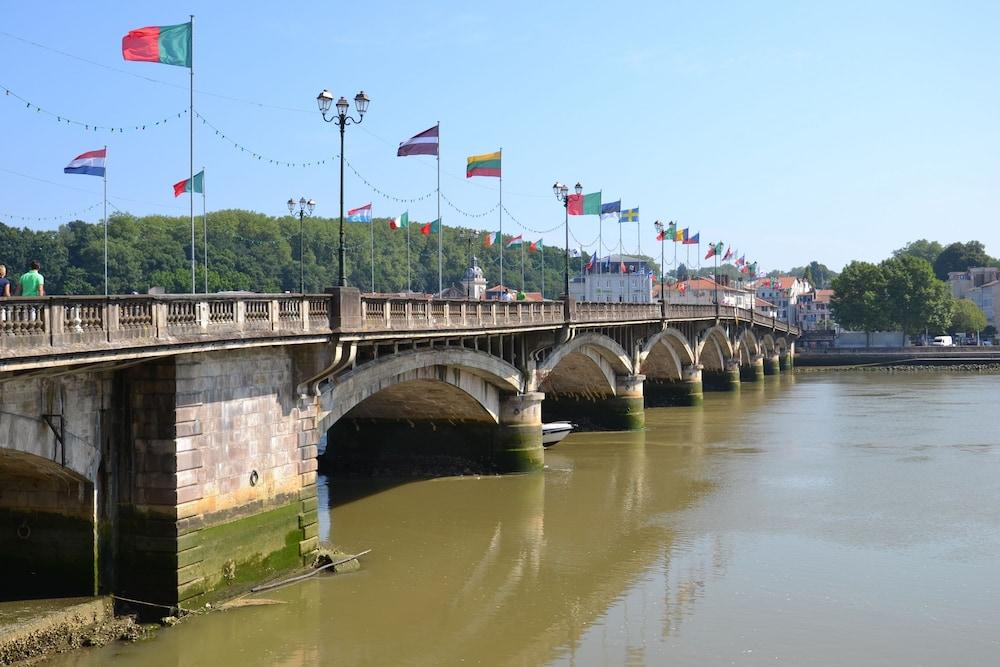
x: 417, y: 414
x: 47, y: 529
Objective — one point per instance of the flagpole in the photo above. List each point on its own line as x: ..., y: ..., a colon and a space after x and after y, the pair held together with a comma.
x: 501, y: 213
x: 191, y: 154
x: 440, y: 222
x: 522, y: 264
x: 105, y: 220
x: 638, y: 237
x: 371, y: 221
x: 408, y: 286
x: 541, y: 251
x: 600, y: 229
x: 204, y: 223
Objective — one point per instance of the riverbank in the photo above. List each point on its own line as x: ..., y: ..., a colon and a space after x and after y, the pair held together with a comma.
x: 905, y: 368
x: 31, y: 629
x: 925, y: 357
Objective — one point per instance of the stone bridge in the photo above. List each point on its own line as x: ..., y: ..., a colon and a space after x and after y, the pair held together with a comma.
x: 165, y: 448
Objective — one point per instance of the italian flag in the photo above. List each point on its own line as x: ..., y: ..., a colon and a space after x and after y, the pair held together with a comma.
x: 167, y: 44
x: 400, y: 222
x: 431, y: 227
x: 196, y: 184
x: 514, y: 242
x: 491, y: 238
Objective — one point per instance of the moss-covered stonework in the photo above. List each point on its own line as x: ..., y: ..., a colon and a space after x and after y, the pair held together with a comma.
x: 44, y: 554
x: 721, y: 380
x: 786, y: 362
x: 752, y: 373
x: 772, y: 365
x: 613, y: 413
x: 370, y: 447
x: 662, y: 393
x: 189, y: 562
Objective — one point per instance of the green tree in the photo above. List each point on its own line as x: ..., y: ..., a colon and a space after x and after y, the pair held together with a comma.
x: 914, y: 299
x: 921, y: 248
x: 961, y: 257
x: 966, y: 317
x: 858, y: 301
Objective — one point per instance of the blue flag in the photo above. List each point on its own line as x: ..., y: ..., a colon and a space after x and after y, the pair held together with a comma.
x: 610, y: 210
x: 630, y: 215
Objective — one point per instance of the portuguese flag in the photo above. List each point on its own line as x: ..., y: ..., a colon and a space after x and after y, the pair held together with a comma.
x: 487, y: 164
x: 431, y: 227
x: 196, y: 184
x: 584, y: 204
x: 167, y: 44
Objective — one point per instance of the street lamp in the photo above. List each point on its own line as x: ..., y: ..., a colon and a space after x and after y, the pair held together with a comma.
x: 562, y: 194
x: 661, y: 232
x: 324, y: 100
x: 305, y: 208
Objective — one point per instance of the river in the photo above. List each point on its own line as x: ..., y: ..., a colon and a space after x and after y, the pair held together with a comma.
x: 822, y: 519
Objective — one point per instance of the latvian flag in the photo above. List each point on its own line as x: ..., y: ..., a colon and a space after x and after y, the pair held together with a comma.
x: 90, y: 163
x: 425, y: 143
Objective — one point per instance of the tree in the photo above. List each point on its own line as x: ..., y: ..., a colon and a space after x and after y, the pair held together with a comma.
x: 960, y: 257
x: 966, y: 317
x: 914, y: 299
x: 921, y: 248
x: 682, y: 273
x: 858, y: 301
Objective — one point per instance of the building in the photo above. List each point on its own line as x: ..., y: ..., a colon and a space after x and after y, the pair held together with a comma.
x: 615, y: 278
x: 703, y: 291
x: 981, y: 286
x: 813, y: 311
x: 784, y: 293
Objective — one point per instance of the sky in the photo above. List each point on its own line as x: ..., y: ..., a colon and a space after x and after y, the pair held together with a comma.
x: 793, y: 131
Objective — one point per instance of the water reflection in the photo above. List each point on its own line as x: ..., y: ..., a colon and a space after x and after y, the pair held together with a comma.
x: 824, y: 519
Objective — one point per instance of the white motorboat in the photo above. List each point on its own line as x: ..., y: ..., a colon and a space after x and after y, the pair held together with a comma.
x: 553, y: 432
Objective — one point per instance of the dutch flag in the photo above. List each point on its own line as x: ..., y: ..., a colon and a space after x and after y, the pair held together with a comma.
x: 90, y: 163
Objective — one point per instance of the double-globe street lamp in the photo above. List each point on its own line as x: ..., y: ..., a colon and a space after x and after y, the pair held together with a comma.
x: 562, y: 194
x: 305, y: 208
x: 661, y: 231
x: 324, y: 100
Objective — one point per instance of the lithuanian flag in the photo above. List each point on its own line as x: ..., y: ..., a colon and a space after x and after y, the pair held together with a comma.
x: 487, y: 164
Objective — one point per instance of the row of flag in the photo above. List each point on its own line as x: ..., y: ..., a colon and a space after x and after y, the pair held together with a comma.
x: 94, y: 163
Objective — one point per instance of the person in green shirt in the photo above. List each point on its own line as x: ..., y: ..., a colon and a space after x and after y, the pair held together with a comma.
x: 32, y: 283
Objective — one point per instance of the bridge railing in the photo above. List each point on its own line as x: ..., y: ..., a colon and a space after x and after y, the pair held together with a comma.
x: 32, y: 325
x: 118, y: 321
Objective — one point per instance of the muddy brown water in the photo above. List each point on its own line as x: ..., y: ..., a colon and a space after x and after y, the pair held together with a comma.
x: 823, y: 519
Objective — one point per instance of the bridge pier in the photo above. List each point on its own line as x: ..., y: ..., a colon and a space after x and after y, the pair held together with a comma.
x: 686, y: 391
x: 772, y: 366
x: 786, y: 361
x: 519, y: 439
x: 755, y: 371
x: 623, y: 411
x: 727, y: 380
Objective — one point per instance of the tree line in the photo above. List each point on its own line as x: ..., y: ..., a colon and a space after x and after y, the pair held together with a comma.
x: 260, y: 253
x: 907, y: 291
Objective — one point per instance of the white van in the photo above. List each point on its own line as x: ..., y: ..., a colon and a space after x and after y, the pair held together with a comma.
x: 942, y: 341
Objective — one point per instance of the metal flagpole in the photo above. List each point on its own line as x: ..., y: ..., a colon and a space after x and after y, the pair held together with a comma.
x: 501, y: 215
x: 522, y: 264
x: 541, y: 251
x: 440, y: 222
x: 371, y: 222
x: 105, y: 220
x: 600, y: 231
x: 204, y: 222
x: 191, y: 154
x: 638, y: 237
x: 409, y: 287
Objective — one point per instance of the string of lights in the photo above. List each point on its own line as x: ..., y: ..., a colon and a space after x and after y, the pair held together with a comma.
x: 45, y: 218
x: 90, y: 127
x: 527, y: 228
x: 467, y: 213
x: 581, y: 244
x: 254, y: 154
x: 386, y: 195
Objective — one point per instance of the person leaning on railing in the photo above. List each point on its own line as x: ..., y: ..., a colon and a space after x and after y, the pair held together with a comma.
x: 32, y: 283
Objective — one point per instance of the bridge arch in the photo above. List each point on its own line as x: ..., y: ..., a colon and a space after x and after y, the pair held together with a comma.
x: 666, y: 354
x: 586, y: 364
x: 767, y: 344
x: 411, y: 381
x: 715, y: 349
x: 747, y: 346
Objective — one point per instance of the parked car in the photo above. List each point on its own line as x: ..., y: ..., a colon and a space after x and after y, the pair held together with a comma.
x: 942, y: 341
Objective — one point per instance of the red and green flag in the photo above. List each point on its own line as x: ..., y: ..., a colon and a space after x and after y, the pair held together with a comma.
x: 196, y: 184
x: 535, y: 246
x: 167, y: 44
x: 430, y: 227
x: 584, y: 204
x: 514, y: 242
x: 713, y: 250
x: 491, y: 238
x: 487, y: 164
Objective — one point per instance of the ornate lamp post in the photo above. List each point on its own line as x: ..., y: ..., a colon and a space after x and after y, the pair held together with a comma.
x: 305, y: 208
x: 324, y: 100
x: 660, y: 231
x: 562, y: 194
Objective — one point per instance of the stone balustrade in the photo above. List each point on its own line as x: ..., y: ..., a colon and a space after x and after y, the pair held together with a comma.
x: 32, y: 326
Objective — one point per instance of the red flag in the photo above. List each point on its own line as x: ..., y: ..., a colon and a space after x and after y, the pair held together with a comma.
x: 661, y: 236
x: 729, y: 253
x: 425, y: 229
x: 590, y: 264
x: 574, y: 204
x: 622, y: 268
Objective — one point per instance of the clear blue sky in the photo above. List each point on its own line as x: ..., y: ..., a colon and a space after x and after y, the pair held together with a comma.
x: 795, y: 131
